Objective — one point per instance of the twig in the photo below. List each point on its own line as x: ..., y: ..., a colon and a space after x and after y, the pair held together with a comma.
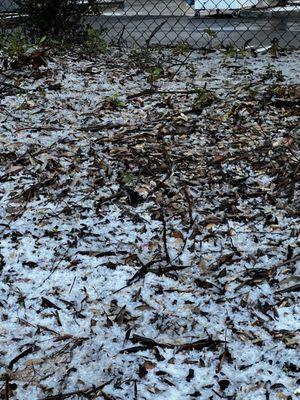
x: 197, y: 345
x: 6, y: 390
x: 14, y: 87
x: 25, y: 353
x: 72, y: 284
x: 169, y: 269
x: 39, y: 128
x: 83, y: 392
x: 10, y: 366
x: 161, y: 183
x: 154, y: 32
x: 275, y: 267
x: 121, y: 35
x: 139, y: 274
x: 152, y: 91
x: 164, y: 237
x: 97, y: 128
x: 188, y: 199
x: 294, y: 288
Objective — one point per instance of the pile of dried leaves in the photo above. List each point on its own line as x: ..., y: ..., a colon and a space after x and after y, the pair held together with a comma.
x: 150, y: 227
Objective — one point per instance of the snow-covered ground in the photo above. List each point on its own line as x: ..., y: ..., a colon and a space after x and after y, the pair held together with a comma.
x: 150, y: 239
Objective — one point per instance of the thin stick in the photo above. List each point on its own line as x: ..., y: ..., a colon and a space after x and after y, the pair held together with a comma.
x: 152, y: 91
x: 154, y: 32
x: 164, y: 237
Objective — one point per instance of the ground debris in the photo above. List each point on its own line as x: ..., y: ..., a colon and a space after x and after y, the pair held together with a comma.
x: 150, y: 238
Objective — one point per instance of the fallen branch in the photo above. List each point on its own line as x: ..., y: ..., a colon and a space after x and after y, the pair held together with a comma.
x: 139, y: 274
x: 152, y: 91
x: 97, y: 128
x: 273, y: 270
x: 83, y: 392
x: 197, y: 345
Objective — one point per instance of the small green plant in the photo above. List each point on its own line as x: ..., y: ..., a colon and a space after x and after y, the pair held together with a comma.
x: 15, y: 44
x: 127, y: 178
x: 274, y: 49
x: 203, y: 99
x: 253, y: 93
x: 17, y: 51
x: 242, y: 53
x: 94, y: 43
x: 236, y: 52
x: 113, y: 103
x: 230, y: 51
x: 279, y: 91
x: 155, y: 74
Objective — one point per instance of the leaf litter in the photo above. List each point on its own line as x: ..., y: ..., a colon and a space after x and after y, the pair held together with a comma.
x: 150, y: 227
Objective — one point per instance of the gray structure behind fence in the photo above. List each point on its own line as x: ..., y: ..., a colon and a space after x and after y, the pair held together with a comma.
x: 206, y: 23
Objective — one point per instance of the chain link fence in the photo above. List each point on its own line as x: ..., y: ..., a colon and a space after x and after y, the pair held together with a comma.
x: 198, y: 23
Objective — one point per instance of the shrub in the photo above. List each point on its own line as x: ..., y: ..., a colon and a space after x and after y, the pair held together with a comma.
x: 53, y: 18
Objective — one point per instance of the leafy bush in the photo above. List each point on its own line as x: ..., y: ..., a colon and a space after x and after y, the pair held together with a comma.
x: 14, y: 44
x: 53, y: 18
x: 16, y: 51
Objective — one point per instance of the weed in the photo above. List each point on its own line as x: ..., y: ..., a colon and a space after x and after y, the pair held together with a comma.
x: 203, y: 99
x: 236, y: 52
x: 94, y: 43
x: 274, y: 49
x: 156, y: 73
x: 230, y: 51
x: 113, y: 103
x: 15, y: 44
x: 253, y: 93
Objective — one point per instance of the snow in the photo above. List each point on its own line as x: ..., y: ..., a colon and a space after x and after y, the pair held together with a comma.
x: 70, y: 244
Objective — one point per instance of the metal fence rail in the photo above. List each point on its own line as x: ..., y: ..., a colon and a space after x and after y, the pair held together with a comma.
x: 199, y: 23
